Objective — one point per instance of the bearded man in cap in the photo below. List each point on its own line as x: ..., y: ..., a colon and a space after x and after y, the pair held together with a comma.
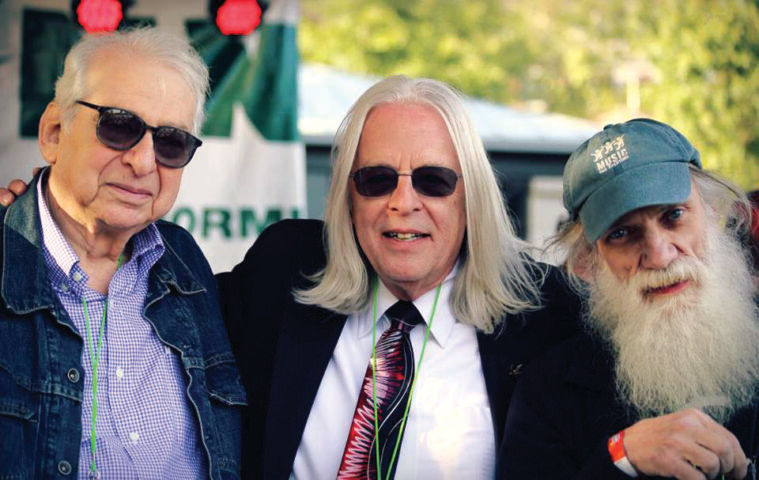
x: 663, y: 382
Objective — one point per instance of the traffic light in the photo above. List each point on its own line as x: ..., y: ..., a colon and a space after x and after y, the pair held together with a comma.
x: 100, y: 15
x: 236, y: 17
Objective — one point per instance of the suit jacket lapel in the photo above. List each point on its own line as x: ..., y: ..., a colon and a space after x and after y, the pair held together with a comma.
x: 308, y: 337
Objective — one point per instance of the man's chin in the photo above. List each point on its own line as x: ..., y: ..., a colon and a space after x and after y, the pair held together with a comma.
x: 678, y: 303
x: 660, y: 303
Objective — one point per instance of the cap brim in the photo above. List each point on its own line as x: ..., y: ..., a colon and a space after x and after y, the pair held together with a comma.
x: 652, y: 184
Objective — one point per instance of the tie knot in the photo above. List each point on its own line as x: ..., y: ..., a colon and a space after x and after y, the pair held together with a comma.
x: 403, y: 315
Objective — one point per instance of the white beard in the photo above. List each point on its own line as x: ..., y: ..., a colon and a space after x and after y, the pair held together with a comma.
x: 696, y: 348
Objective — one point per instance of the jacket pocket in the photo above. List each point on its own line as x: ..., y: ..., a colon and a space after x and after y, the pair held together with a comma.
x: 223, y: 381
x: 19, y: 424
x: 226, y: 398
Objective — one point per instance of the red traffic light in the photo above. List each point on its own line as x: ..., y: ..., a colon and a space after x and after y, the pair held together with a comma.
x: 238, y: 17
x: 99, y: 15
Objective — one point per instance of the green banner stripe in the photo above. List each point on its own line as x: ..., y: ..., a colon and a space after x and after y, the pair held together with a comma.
x: 227, y: 93
x: 271, y: 101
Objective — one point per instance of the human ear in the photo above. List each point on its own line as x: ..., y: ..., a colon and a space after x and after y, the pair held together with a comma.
x: 49, y: 133
x: 584, y: 266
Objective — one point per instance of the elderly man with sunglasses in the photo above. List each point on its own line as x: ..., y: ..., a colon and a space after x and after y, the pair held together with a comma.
x: 114, y: 361
x: 664, y: 382
x: 386, y: 341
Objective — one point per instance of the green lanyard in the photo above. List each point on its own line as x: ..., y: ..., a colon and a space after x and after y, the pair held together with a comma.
x: 95, y: 359
x: 413, y: 382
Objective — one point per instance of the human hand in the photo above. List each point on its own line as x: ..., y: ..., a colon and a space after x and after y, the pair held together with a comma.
x: 687, y: 445
x: 15, y: 188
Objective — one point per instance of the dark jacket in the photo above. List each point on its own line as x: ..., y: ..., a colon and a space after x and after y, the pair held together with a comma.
x: 564, y: 411
x: 283, y: 347
x: 41, y: 375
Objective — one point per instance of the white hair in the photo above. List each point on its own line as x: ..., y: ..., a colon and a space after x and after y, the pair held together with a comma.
x: 147, y: 42
x: 494, y: 277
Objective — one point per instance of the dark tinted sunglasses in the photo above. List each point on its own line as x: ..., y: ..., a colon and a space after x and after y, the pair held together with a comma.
x: 429, y: 181
x: 121, y: 130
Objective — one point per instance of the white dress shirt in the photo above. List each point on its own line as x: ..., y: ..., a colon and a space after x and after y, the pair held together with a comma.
x: 449, y: 431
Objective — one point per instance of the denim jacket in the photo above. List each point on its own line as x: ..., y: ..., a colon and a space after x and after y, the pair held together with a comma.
x: 41, y: 376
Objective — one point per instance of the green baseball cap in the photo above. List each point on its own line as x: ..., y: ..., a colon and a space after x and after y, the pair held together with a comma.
x: 624, y: 167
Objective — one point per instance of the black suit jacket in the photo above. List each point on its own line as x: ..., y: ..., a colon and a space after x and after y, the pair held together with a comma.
x: 283, y: 347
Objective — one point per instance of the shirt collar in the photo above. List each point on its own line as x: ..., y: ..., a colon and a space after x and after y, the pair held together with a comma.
x: 442, y: 322
x: 52, y: 237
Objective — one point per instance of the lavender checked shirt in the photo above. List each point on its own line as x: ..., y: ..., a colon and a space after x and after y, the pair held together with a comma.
x: 145, y: 426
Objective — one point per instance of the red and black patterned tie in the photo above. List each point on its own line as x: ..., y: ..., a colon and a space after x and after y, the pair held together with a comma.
x: 395, y: 372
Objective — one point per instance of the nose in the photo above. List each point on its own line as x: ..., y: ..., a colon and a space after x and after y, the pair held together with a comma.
x: 658, y: 249
x: 404, y: 198
x: 141, y: 157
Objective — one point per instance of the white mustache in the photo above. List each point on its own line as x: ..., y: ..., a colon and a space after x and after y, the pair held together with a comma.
x: 680, y: 270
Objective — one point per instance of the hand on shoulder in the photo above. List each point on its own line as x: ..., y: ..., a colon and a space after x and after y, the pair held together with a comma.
x: 15, y: 188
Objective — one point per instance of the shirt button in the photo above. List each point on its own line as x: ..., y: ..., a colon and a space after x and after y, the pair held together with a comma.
x: 64, y: 467
x: 77, y: 277
x: 73, y: 375
x: 64, y: 287
x: 134, y: 436
x: 119, y: 372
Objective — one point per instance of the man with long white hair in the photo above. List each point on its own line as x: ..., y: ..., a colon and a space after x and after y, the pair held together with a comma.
x: 416, y: 233
x: 664, y: 379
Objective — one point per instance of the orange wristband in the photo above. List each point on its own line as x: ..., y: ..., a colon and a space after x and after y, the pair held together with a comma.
x: 616, y: 447
x: 618, y: 456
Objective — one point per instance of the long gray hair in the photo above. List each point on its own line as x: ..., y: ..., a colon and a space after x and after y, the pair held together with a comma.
x: 148, y: 42
x: 494, y: 277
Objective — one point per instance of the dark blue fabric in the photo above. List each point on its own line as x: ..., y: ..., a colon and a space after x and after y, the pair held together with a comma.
x: 41, y: 376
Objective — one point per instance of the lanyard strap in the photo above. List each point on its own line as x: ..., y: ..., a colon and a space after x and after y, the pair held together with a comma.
x: 413, y: 381
x: 95, y: 359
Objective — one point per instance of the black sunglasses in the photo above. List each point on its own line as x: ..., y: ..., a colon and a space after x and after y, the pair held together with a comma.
x: 121, y: 130
x: 429, y: 181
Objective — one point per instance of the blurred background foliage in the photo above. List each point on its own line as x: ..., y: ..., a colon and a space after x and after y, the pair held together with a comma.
x: 690, y: 63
